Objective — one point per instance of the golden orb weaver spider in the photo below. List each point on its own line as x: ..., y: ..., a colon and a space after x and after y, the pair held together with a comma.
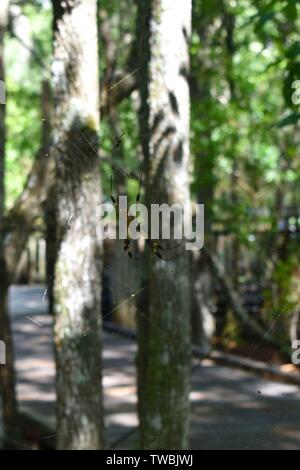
x: 154, y: 246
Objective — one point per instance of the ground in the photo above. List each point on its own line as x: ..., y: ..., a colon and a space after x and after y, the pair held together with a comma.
x: 231, y: 409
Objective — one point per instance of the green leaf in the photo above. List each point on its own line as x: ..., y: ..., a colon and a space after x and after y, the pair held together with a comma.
x: 290, y: 10
x: 294, y: 50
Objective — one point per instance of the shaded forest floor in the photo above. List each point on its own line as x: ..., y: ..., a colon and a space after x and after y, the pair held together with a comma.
x: 231, y: 409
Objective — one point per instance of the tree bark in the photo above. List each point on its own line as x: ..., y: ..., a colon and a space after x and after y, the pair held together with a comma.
x: 77, y: 285
x: 164, y: 313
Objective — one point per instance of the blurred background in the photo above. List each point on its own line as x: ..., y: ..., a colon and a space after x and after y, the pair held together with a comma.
x: 223, y: 132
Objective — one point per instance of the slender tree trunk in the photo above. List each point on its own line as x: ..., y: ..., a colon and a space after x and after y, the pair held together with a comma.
x: 50, y: 229
x: 49, y: 206
x: 229, y: 25
x: 77, y: 286
x: 7, y: 376
x: 164, y: 314
x: 203, y: 321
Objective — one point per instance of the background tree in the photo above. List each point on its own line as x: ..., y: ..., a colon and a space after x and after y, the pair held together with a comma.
x: 164, y: 319
x: 77, y: 286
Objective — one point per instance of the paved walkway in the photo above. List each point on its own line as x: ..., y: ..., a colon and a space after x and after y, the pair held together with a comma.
x: 231, y: 409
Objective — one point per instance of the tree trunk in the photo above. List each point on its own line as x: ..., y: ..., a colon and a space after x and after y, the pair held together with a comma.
x: 203, y: 321
x: 204, y: 25
x: 50, y: 232
x: 77, y: 285
x: 164, y: 313
x: 49, y: 206
x: 7, y: 376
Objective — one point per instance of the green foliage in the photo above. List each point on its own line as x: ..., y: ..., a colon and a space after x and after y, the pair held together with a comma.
x: 236, y: 144
x: 24, y: 74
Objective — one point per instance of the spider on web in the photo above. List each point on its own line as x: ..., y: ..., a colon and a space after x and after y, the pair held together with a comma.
x: 155, y: 247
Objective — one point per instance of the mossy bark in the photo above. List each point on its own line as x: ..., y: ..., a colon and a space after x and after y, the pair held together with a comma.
x: 164, y: 311
x: 77, y: 285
